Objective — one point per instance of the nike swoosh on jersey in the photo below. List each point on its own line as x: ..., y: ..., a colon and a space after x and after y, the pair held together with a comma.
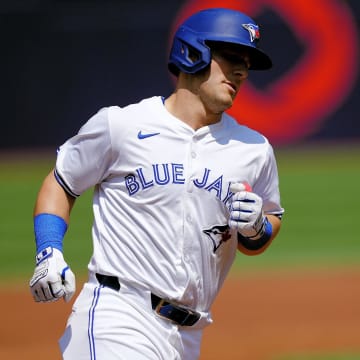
x: 144, y: 136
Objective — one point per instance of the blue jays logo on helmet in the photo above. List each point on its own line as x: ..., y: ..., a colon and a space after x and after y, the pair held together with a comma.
x: 253, y: 30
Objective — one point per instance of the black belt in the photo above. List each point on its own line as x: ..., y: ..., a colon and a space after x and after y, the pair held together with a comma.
x: 178, y: 314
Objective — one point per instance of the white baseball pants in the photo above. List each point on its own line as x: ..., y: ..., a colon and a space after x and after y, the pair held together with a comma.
x: 106, y: 325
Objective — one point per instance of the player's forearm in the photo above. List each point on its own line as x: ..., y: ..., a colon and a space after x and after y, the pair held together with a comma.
x: 52, y: 199
x: 52, y: 278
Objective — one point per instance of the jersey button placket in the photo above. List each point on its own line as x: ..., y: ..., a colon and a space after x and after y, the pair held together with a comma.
x: 192, y: 157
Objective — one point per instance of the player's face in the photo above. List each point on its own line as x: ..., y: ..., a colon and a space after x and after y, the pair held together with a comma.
x: 228, y: 70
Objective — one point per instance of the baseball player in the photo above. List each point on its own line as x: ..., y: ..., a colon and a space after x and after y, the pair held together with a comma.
x: 179, y: 187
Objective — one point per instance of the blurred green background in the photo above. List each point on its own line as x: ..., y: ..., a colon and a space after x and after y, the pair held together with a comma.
x: 319, y: 189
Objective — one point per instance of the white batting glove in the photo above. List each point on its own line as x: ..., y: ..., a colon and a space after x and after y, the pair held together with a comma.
x: 246, y: 213
x: 52, y: 277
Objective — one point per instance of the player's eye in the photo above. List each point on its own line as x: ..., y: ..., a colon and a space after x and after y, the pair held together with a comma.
x: 232, y: 58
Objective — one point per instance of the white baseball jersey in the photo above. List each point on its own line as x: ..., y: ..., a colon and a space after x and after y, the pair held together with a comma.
x: 162, y: 195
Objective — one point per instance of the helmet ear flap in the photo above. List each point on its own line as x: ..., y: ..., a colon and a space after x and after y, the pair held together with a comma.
x: 188, y: 53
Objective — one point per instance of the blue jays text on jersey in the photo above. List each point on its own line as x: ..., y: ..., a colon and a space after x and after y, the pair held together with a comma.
x: 163, y: 174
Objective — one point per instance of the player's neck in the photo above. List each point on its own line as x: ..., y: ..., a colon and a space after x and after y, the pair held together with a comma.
x: 188, y: 108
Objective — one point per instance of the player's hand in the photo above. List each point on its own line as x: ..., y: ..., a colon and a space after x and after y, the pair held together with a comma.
x: 246, y: 213
x: 52, y: 277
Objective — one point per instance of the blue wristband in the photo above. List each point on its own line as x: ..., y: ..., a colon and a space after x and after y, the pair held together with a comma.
x: 257, y: 244
x: 49, y: 231
x: 268, y: 230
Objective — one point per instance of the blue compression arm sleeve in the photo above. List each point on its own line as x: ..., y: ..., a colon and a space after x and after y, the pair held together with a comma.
x: 49, y: 230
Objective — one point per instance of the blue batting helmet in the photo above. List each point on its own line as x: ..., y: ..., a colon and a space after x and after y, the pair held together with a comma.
x: 190, y: 53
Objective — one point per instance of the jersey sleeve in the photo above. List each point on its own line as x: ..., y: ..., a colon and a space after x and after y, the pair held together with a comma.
x: 83, y: 160
x: 267, y: 185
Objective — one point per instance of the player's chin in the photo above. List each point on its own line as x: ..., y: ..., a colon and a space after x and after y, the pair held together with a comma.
x: 228, y: 102
x: 229, y: 97
x: 223, y: 102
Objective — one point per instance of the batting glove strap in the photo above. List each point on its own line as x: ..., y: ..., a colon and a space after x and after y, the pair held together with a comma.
x: 260, y: 239
x: 43, y: 254
x: 263, y: 228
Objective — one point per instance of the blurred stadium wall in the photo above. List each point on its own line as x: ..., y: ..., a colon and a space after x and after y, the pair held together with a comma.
x: 61, y: 61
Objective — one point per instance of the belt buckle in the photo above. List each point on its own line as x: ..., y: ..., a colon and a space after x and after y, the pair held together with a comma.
x: 162, y: 312
x: 167, y: 316
x: 159, y: 306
